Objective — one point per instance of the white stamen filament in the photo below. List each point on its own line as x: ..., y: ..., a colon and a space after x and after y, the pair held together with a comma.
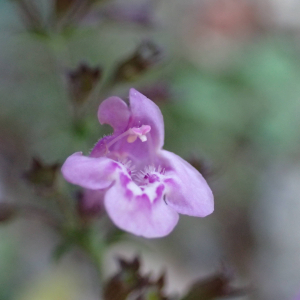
x: 127, y: 163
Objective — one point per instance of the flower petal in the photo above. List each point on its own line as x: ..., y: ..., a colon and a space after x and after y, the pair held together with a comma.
x: 114, y: 112
x: 142, y: 111
x: 134, y: 211
x: 188, y: 192
x: 100, y: 148
x: 146, y: 112
x: 89, y: 172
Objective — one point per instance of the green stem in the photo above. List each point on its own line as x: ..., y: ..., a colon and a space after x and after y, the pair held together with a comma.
x: 66, y: 209
x: 93, y: 248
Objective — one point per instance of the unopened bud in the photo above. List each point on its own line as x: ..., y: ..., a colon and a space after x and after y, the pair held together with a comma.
x: 61, y: 7
x: 42, y: 175
x: 82, y: 81
x: 145, y: 57
x: 7, y: 212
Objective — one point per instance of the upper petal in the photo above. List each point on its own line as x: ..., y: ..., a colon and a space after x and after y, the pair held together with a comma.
x: 114, y: 112
x: 146, y: 112
x: 90, y: 172
x: 100, y: 148
x: 188, y: 192
x: 142, y: 111
x: 136, y: 211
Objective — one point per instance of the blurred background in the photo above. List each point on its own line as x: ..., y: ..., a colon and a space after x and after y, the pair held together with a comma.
x: 225, y: 74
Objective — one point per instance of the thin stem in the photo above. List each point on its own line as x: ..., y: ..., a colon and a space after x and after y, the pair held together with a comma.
x: 93, y: 248
x: 66, y: 209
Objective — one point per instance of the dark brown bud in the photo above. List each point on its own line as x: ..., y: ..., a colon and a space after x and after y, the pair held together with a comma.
x: 42, y: 175
x: 82, y: 81
x: 125, y: 281
x: 216, y: 286
x: 145, y: 57
x: 61, y: 7
x: 161, y: 281
x: 130, y: 281
x: 7, y: 212
x: 70, y: 12
x: 132, y: 266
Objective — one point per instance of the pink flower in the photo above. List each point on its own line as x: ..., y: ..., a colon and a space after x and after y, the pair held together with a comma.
x: 143, y: 187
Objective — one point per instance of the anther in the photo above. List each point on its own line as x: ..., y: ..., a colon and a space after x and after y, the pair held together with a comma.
x: 140, y: 133
x: 132, y: 133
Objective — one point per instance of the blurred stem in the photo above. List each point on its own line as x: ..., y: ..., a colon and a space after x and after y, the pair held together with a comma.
x: 75, y: 12
x: 93, y: 100
x: 66, y: 208
x: 30, y: 15
x: 96, y: 257
x: 93, y: 247
x: 62, y: 58
x: 61, y: 54
x: 99, y: 91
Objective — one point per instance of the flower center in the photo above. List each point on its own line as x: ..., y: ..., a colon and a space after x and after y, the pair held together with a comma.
x: 132, y: 134
x: 149, y: 175
x: 151, y: 178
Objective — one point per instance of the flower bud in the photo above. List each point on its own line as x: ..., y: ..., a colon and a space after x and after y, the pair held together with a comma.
x: 145, y: 57
x: 82, y: 81
x: 72, y: 11
x: 218, y: 286
x: 61, y: 7
x: 7, y: 212
x: 42, y: 175
x: 130, y: 281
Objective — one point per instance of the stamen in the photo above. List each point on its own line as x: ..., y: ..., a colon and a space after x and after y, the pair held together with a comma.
x: 143, y: 138
x: 131, y: 138
x: 128, y: 164
x: 140, y: 133
x: 132, y: 133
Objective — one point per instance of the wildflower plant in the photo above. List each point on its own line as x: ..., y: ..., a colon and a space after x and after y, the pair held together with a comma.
x: 142, y: 187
